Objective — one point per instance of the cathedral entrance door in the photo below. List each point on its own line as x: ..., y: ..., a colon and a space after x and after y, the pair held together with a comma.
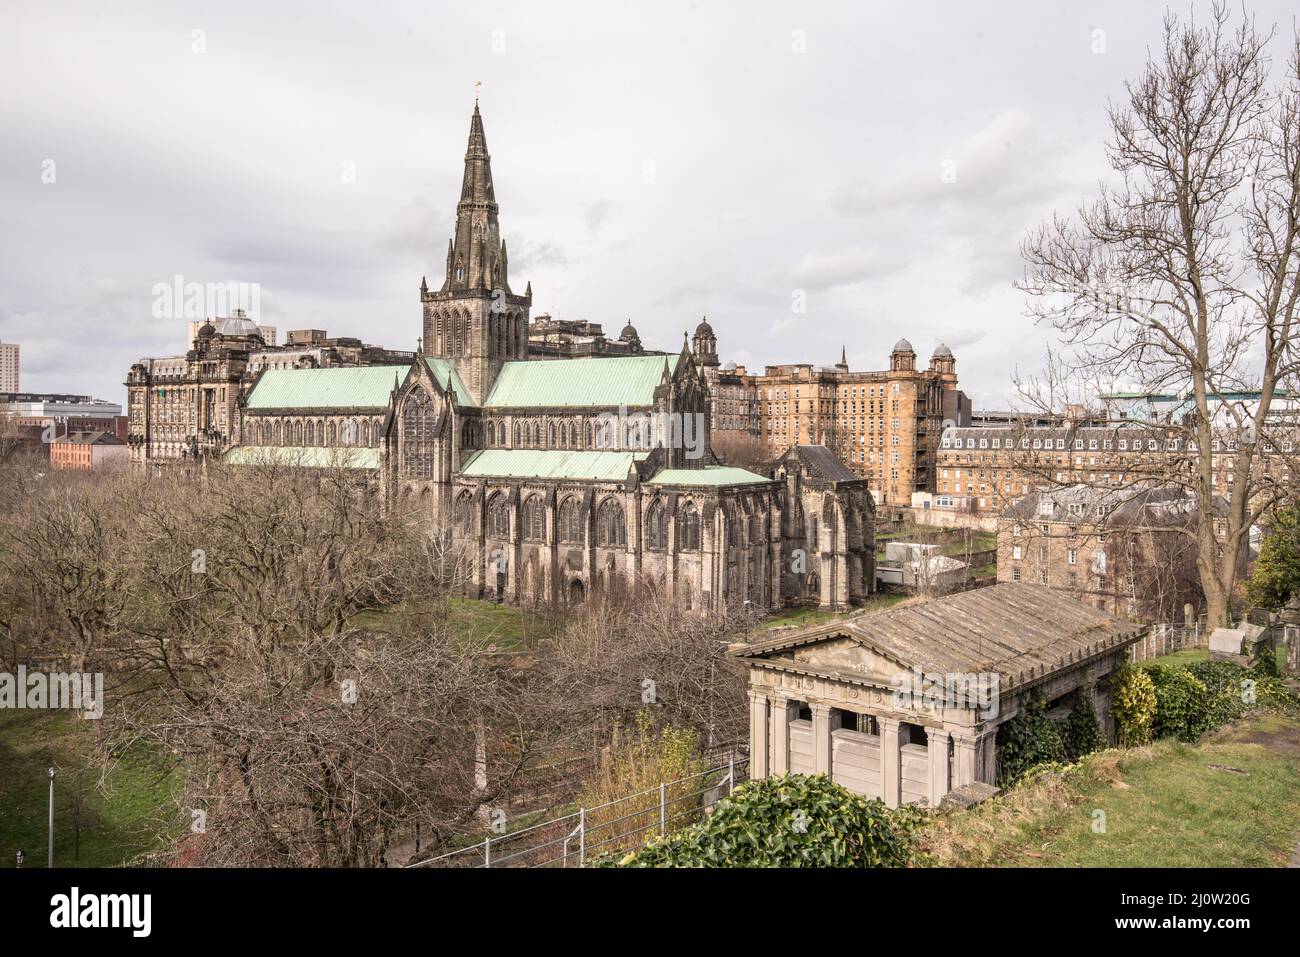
x: 576, y: 592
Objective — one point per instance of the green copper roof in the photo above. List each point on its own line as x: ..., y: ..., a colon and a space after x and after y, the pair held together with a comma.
x: 441, y: 368
x: 579, y: 383
x: 352, y: 387
x: 710, y: 475
x: 312, y: 457
x: 551, y: 464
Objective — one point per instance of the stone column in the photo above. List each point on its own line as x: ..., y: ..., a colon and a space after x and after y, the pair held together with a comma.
x: 821, y: 716
x: 890, y: 762
x: 964, y: 747
x: 780, y: 735
x: 989, y: 757
x: 758, y: 735
x: 937, y: 745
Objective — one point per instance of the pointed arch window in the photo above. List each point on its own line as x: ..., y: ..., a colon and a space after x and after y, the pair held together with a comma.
x: 611, y: 530
x: 658, y: 527
x: 688, y: 528
x: 572, y: 527
x: 535, y: 519
x: 417, y: 435
x: 462, y: 514
x: 499, y: 516
x: 332, y: 434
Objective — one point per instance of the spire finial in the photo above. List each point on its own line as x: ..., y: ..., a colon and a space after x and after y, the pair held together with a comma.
x: 478, y: 86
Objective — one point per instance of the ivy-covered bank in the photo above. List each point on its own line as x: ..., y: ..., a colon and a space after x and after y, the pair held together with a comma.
x: 792, y: 820
x: 1157, y: 701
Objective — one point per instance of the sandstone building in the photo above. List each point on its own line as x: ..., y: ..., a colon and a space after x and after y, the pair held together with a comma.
x: 561, y: 475
x: 885, y: 425
x: 905, y: 704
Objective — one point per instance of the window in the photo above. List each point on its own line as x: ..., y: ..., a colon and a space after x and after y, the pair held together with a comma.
x: 1073, y: 557
x: 499, y: 516
x: 611, y: 531
x: 688, y: 528
x: 571, y: 524
x: 535, y: 519
x: 418, y: 423
x: 657, y: 521
x: 1015, y: 552
x: 1015, y: 574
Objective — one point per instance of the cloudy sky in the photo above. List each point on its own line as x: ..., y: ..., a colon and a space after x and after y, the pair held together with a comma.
x: 654, y: 161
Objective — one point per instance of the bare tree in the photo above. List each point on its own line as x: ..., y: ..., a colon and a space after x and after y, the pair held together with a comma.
x: 1184, y: 277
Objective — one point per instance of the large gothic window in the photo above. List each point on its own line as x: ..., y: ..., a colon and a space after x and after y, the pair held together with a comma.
x: 571, y: 524
x: 417, y: 435
x: 658, y: 523
x: 688, y: 528
x: 462, y: 515
x: 535, y: 519
x: 333, y: 433
x: 610, y: 528
x: 309, y: 434
x: 499, y: 516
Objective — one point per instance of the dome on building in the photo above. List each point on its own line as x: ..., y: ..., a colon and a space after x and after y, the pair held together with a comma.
x: 729, y: 365
x: 704, y: 329
x: 238, y: 326
x: 207, y: 331
x: 629, y: 332
x: 942, y: 352
x: 902, y: 345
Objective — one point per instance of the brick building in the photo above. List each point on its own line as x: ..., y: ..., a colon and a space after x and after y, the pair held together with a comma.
x: 93, y: 451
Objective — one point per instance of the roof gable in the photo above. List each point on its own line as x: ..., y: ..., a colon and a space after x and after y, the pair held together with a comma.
x: 441, y: 370
x: 1017, y: 630
x: 350, y: 387
x: 607, y: 382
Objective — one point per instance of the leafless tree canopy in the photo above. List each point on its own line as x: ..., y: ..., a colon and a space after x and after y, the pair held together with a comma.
x: 1183, y: 276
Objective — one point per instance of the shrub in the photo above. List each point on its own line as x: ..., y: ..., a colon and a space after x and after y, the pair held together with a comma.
x: 1134, y: 706
x: 1028, y: 739
x: 1224, y: 688
x: 624, y: 788
x: 1081, y: 734
x: 1183, y: 707
x: 788, y: 821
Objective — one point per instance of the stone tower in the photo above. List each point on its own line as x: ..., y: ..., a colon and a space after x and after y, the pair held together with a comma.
x: 475, y: 320
x: 705, y: 345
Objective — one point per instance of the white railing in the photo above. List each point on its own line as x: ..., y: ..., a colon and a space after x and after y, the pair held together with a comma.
x: 592, y: 833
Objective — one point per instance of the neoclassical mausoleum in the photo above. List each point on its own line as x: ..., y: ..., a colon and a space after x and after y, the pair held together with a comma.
x: 563, y: 476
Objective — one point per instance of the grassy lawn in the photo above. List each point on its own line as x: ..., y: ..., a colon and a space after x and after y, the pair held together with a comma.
x: 1233, y: 800
x: 814, y: 616
x: 483, y: 623
x: 1185, y: 657
x: 117, y: 820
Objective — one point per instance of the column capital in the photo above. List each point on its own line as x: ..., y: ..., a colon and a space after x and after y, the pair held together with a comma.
x: 820, y: 708
x: 758, y: 694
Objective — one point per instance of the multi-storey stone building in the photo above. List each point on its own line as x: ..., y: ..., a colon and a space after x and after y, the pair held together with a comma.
x: 1126, y: 551
x: 187, y: 406
x: 885, y: 425
x: 568, y: 475
x: 985, y: 470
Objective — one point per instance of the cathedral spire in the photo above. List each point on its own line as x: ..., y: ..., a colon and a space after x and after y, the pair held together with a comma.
x: 476, y: 256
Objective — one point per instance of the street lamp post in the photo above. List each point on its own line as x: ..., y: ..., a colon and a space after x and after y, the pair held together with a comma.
x: 50, y: 862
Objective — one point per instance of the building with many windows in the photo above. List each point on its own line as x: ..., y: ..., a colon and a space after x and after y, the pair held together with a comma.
x: 559, y: 476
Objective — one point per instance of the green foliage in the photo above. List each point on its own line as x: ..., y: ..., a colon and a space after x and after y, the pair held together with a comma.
x: 1265, y: 663
x: 788, y: 821
x: 1183, y: 707
x: 1134, y: 706
x: 1026, y: 740
x: 1277, y: 570
x: 1080, y: 734
x: 1224, y: 689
